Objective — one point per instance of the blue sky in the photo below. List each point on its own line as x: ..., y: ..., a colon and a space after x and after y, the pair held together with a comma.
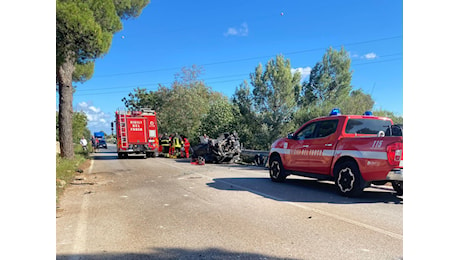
x: 228, y: 39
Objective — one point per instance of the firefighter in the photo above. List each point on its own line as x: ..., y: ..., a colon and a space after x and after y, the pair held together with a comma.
x: 165, y: 143
x: 176, y: 144
x: 186, y: 146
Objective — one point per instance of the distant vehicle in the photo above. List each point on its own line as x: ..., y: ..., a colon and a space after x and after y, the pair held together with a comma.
x: 102, y: 143
x: 137, y: 133
x: 352, y: 150
x: 99, y: 134
x: 99, y: 140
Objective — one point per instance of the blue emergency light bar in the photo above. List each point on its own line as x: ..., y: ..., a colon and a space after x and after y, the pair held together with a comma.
x: 367, y: 113
x: 335, y: 112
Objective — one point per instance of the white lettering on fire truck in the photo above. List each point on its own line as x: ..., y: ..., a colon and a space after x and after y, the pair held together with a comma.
x: 136, y: 129
x: 308, y: 152
x: 136, y: 126
x: 377, y: 144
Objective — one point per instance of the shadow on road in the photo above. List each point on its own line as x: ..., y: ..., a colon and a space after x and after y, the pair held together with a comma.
x: 172, y: 253
x: 304, y: 190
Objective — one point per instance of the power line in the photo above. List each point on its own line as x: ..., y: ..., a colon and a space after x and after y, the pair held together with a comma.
x: 210, y: 82
x: 159, y: 83
x: 251, y: 58
x: 115, y: 92
x: 377, y: 61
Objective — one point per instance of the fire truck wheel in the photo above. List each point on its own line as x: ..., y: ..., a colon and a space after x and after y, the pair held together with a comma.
x: 276, y: 169
x: 348, y: 179
x: 398, y: 187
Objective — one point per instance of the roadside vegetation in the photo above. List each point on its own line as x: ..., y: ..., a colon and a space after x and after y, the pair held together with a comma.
x: 67, y: 168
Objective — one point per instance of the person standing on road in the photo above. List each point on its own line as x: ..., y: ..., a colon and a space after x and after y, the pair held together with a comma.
x: 186, y: 146
x: 84, y: 143
x: 176, y: 144
x: 165, y: 143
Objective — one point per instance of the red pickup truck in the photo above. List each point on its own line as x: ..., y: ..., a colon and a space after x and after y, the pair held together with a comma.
x: 352, y: 150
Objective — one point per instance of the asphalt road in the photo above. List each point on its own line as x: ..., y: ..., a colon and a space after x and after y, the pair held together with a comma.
x: 159, y: 208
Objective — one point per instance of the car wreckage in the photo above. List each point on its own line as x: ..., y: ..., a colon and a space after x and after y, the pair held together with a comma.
x: 224, y: 149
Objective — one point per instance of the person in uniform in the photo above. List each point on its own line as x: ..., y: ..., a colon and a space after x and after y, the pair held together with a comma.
x: 186, y: 146
x: 165, y: 144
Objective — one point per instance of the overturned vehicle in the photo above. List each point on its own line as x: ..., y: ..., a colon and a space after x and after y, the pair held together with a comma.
x: 225, y: 149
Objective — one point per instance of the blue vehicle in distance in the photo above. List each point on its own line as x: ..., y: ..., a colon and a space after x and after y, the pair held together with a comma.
x: 99, y: 140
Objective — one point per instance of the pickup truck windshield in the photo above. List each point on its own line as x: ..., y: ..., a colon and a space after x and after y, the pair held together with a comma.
x: 366, y: 126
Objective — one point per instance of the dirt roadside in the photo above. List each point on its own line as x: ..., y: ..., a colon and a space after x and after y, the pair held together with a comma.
x: 80, y: 179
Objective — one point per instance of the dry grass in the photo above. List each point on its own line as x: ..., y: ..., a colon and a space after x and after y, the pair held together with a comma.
x: 66, y: 169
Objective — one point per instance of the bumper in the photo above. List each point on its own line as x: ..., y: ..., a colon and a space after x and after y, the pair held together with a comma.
x: 137, y: 149
x: 395, y: 175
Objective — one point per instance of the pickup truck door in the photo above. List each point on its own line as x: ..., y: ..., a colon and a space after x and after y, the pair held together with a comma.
x: 317, y: 151
x: 300, y: 147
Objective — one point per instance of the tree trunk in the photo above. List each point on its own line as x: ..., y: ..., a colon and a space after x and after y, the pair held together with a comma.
x: 64, y: 79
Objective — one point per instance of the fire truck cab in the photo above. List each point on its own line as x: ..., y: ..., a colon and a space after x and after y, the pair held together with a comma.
x: 137, y: 133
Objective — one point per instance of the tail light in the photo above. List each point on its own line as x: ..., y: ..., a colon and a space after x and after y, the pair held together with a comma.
x: 395, y: 153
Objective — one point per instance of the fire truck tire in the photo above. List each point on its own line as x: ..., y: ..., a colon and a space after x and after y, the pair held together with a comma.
x: 348, y: 179
x: 398, y: 187
x: 276, y: 169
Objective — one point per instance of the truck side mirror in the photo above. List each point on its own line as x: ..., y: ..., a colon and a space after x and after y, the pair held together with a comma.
x: 290, y: 136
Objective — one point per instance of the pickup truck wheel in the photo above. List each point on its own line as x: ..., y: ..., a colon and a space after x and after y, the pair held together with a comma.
x: 398, y: 187
x: 276, y: 169
x: 348, y: 179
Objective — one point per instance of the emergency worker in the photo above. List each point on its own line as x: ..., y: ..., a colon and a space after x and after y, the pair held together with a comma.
x: 165, y: 143
x: 176, y: 144
x: 186, y: 146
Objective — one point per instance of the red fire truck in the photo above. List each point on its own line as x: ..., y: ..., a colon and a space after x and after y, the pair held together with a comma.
x: 352, y: 150
x: 137, y: 133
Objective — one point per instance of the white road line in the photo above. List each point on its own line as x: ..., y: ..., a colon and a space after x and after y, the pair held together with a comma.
x: 80, y: 235
x: 354, y: 222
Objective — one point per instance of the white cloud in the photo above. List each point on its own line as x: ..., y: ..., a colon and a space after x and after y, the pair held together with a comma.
x: 231, y: 31
x: 353, y: 55
x: 243, y: 30
x: 370, y: 56
x: 97, y: 119
x: 82, y: 104
x: 304, y: 72
x: 94, y: 109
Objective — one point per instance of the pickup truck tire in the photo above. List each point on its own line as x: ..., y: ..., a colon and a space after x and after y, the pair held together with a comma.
x: 348, y: 179
x: 398, y: 187
x: 276, y: 169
